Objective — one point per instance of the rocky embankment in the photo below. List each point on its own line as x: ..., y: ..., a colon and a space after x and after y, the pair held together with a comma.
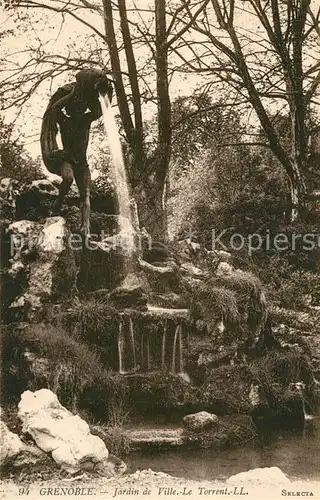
x: 184, y: 332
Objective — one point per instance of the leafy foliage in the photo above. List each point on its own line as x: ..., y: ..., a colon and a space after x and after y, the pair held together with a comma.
x: 15, y: 161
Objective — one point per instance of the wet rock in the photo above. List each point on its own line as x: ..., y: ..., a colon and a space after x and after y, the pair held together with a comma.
x: 114, y: 466
x: 201, y: 421
x: 55, y: 430
x: 264, y: 476
x: 35, y: 200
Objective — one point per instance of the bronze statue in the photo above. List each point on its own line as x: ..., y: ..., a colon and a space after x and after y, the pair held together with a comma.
x: 73, y: 108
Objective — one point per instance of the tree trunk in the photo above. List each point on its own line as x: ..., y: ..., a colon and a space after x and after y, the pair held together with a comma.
x: 149, y: 195
x: 297, y: 192
x: 150, y: 199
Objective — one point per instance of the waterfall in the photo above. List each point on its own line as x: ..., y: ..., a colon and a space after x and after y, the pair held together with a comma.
x: 148, y: 353
x: 141, y: 351
x: 180, y: 350
x: 120, y: 349
x: 145, y: 351
x: 173, y: 364
x: 119, y: 174
x: 131, y: 331
x: 163, y: 353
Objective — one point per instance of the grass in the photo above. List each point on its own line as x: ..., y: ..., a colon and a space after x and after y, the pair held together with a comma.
x: 275, y: 371
x: 237, y: 299
x: 114, y: 437
x: 67, y: 366
x: 91, y: 319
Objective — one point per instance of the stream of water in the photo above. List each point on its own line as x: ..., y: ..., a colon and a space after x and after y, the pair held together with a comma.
x: 119, y: 175
x: 298, y: 456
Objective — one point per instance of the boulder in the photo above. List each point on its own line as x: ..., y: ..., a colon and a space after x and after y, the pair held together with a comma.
x: 16, y: 453
x: 264, y: 476
x: 231, y: 430
x: 41, y: 264
x: 277, y: 408
x: 200, y: 421
x: 57, y: 431
x: 226, y: 389
x: 36, y: 199
x: 11, y: 444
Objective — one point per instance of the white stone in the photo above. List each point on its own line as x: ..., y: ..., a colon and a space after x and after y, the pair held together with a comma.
x: 224, y: 269
x: 45, y: 187
x: 201, y: 421
x: 265, y: 476
x: 11, y: 444
x: 48, y: 241
x: 58, y: 431
x: 191, y: 269
x: 52, y: 235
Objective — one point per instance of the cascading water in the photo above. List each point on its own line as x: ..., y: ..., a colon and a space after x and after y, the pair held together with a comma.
x: 163, y: 353
x: 133, y: 346
x: 180, y: 351
x: 148, y: 353
x: 174, y: 351
x: 119, y: 174
x: 120, y: 349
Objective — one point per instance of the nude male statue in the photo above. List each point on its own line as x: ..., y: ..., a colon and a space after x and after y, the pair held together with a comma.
x: 73, y: 108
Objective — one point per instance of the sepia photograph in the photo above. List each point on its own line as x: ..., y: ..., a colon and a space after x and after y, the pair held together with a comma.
x: 160, y: 249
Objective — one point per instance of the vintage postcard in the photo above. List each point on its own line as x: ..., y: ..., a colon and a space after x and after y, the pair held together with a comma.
x: 160, y: 249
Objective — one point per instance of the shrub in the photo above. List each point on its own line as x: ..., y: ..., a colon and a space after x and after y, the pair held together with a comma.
x: 44, y: 355
x: 114, y: 437
x: 237, y: 300
x: 275, y: 371
x: 93, y: 320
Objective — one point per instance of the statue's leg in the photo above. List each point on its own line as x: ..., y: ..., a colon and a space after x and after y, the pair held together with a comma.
x: 83, y: 180
x: 67, y: 180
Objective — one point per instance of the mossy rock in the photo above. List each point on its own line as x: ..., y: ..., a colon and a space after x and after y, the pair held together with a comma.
x: 227, y: 389
x: 162, y: 394
x: 233, y: 430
